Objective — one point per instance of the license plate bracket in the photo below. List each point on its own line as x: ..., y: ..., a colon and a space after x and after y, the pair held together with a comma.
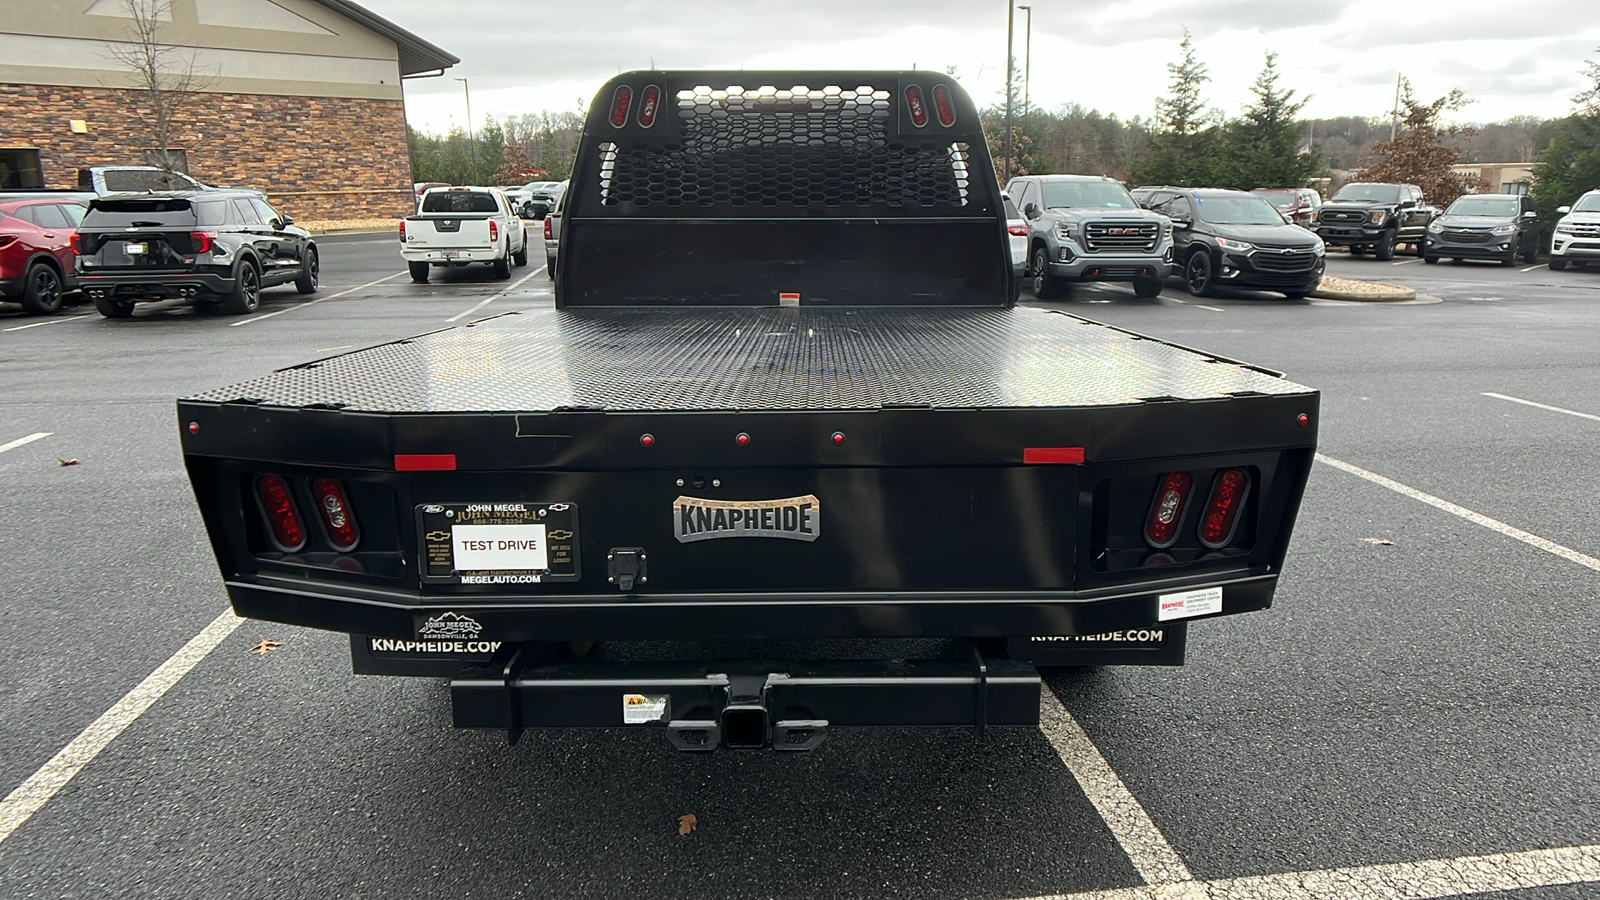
x: 498, y: 544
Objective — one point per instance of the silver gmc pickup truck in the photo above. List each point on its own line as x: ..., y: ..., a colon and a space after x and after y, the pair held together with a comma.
x: 1088, y: 228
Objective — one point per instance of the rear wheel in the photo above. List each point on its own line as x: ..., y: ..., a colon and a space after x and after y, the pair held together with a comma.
x: 1145, y: 288
x: 112, y: 308
x: 1385, y: 249
x: 550, y: 266
x: 1197, y: 275
x: 246, y: 294
x: 310, y: 271
x: 520, y: 258
x: 502, y: 266
x: 1357, y: 251
x: 1045, y: 286
x: 42, y: 290
x: 419, y: 271
x: 1530, y: 257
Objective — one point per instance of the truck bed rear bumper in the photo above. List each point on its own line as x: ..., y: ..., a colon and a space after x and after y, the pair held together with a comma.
x: 701, y: 616
x: 748, y: 704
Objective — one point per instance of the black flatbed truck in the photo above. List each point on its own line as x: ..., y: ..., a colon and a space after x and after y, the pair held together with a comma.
x: 782, y: 397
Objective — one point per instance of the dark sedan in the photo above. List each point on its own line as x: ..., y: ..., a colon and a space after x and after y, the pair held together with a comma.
x: 1500, y: 227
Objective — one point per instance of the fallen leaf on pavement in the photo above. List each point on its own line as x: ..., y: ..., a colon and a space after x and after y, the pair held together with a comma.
x: 1381, y: 542
x: 687, y: 823
x: 266, y: 646
x: 67, y: 462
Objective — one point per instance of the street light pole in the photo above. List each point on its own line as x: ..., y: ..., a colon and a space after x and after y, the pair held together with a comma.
x: 472, y: 144
x: 1011, y: 19
x: 1027, y: 66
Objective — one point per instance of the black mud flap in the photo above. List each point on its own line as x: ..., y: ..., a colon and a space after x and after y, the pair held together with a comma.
x: 1153, y: 645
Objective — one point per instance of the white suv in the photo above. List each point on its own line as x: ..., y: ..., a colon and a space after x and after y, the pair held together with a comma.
x: 1577, y: 236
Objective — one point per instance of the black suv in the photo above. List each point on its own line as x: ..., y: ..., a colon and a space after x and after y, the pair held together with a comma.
x: 1485, y: 226
x: 216, y: 248
x: 1237, y: 239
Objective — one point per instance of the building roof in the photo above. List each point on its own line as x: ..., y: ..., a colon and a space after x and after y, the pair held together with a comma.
x: 416, y: 55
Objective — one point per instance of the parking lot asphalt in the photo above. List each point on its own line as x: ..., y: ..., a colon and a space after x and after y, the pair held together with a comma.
x: 1419, y: 712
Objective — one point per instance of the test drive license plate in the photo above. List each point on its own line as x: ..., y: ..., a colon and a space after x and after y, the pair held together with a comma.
x: 507, y: 543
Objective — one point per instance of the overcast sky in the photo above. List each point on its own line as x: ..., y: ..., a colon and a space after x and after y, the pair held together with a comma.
x: 1513, y: 57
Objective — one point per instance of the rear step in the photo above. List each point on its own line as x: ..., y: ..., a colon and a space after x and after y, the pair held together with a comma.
x: 746, y: 704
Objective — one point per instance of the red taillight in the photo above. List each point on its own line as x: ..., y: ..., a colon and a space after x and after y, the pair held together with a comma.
x: 547, y: 233
x: 277, y: 505
x: 1166, y: 510
x: 649, y: 104
x: 620, y: 101
x: 943, y: 105
x: 1018, y: 230
x: 919, y: 110
x: 202, y: 240
x: 494, y: 230
x: 338, y: 518
x: 1224, y: 508
x: 402, y: 229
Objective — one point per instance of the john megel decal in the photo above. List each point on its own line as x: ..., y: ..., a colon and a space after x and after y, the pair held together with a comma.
x: 793, y: 518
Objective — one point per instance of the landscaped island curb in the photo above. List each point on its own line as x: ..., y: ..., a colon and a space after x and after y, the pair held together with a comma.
x: 1351, y: 289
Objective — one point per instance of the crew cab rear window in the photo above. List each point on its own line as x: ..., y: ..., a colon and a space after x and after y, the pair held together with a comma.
x: 458, y: 202
x: 151, y: 212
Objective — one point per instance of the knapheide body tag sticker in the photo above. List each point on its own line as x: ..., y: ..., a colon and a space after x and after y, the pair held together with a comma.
x: 644, y: 709
x: 1189, y: 604
x: 792, y: 518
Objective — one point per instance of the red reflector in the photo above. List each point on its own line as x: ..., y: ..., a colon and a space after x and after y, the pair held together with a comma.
x: 742, y: 439
x: 1224, y: 508
x: 277, y: 505
x: 838, y: 437
x: 647, y: 440
x: 424, y: 462
x: 338, y: 519
x: 202, y: 241
x: 649, y: 104
x: 1018, y: 230
x: 620, y: 101
x: 943, y: 105
x: 494, y: 230
x: 1166, y: 510
x: 919, y: 112
x: 1042, y: 455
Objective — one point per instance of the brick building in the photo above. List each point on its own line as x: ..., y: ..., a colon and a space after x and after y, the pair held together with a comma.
x: 300, y: 98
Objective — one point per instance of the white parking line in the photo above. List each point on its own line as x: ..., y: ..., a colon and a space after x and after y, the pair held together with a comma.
x: 1510, y: 531
x: 41, y: 786
x: 56, y: 320
x: 318, y: 300
x: 1147, y: 848
x: 1407, y: 262
x: 1212, y: 308
x: 25, y: 440
x: 496, y: 296
x: 1531, y: 268
x: 1541, y: 406
x: 1433, y: 878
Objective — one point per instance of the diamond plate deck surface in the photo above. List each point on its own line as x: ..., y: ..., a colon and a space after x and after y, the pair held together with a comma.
x: 640, y: 360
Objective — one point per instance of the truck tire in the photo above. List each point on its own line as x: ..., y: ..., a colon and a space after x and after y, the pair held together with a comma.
x: 246, y: 294
x: 1197, y: 276
x: 502, y: 266
x: 42, y: 289
x: 520, y: 258
x: 1417, y: 246
x: 1146, y: 288
x: 310, y: 272
x: 1557, y: 264
x: 1045, y: 285
x: 1431, y: 260
x: 1530, y: 257
x: 1384, y: 251
x: 1357, y: 250
x: 419, y: 272
x: 550, y: 266
x: 113, y: 308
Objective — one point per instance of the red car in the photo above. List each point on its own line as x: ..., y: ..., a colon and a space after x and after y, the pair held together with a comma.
x: 36, y: 255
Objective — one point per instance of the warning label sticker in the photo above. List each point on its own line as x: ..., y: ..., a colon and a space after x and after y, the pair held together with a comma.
x: 644, y: 709
x: 1188, y: 604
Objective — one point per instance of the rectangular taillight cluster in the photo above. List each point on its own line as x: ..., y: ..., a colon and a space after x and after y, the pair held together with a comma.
x: 281, y: 498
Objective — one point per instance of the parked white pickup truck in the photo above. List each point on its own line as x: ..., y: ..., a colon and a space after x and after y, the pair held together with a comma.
x: 458, y: 226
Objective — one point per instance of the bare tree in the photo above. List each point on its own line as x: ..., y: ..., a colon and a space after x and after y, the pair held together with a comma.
x: 167, y: 77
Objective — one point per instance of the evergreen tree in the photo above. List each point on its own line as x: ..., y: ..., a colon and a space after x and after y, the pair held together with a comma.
x: 1183, y: 146
x: 1420, y: 153
x: 1262, y: 147
x: 1570, y: 162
